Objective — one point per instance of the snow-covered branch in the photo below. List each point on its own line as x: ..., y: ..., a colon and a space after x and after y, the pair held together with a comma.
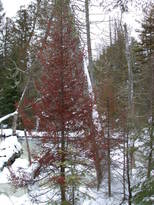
x: 8, y: 116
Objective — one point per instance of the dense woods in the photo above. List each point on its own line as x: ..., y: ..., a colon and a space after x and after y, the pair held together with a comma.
x: 92, y: 134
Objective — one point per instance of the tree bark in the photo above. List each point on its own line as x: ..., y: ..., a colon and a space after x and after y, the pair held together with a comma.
x: 124, y: 166
x: 90, y: 66
x: 62, y: 166
x: 130, y: 75
x: 151, y: 129
x: 130, y: 95
x: 128, y: 170
x: 14, y: 125
x: 150, y: 153
x: 108, y: 149
x: 28, y: 148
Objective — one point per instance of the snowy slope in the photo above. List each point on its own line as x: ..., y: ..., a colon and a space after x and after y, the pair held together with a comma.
x: 20, y: 197
x: 9, y: 148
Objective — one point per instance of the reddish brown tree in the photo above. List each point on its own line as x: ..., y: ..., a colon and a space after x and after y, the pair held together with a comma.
x: 70, y: 139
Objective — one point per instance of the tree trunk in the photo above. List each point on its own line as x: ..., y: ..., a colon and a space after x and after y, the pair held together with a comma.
x: 15, y: 117
x: 90, y: 66
x: 150, y: 153
x: 150, y: 158
x: 128, y: 170
x: 108, y: 149
x: 28, y: 148
x: 73, y: 195
x: 124, y: 166
x: 1, y: 130
x: 130, y: 75
x: 62, y: 169
x: 130, y: 94
x: 62, y: 166
x: 14, y: 125
x: 96, y: 152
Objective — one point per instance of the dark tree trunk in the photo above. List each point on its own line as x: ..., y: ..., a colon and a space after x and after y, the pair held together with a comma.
x: 62, y: 166
x: 130, y: 94
x: 108, y: 149
x: 128, y: 171
x: 124, y: 166
x: 151, y: 129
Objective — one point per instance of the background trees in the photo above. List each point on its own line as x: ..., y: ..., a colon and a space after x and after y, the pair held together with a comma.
x: 112, y: 64
x: 144, y: 86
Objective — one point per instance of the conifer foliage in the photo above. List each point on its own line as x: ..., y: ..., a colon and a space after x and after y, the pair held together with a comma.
x: 64, y: 109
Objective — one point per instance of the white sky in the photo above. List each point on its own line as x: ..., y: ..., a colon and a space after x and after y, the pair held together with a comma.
x: 11, y: 6
x: 99, y: 31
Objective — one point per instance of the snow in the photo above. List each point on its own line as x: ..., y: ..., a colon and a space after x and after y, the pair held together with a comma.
x: 17, y: 196
x: 4, y: 199
x: 8, y: 132
x: 12, y: 145
x: 4, y: 175
x: 92, y: 197
x: 20, y: 133
x: 9, y: 195
x: 24, y: 200
x: 8, y: 148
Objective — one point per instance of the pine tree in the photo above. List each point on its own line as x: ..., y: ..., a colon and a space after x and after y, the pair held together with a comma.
x: 18, y: 56
x: 64, y: 110
x: 9, y: 93
x: 1, y: 48
x: 146, y: 75
x: 145, y: 104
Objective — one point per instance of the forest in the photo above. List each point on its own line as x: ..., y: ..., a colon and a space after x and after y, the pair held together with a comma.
x: 77, y: 122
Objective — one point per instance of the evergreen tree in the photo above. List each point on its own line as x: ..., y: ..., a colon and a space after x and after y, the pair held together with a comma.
x: 18, y: 55
x: 1, y: 48
x: 64, y: 111
x: 9, y: 93
x: 145, y: 106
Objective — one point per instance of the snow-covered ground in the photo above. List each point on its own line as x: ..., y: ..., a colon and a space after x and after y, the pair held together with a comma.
x: 19, y: 133
x: 11, y: 195
x: 8, y: 148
